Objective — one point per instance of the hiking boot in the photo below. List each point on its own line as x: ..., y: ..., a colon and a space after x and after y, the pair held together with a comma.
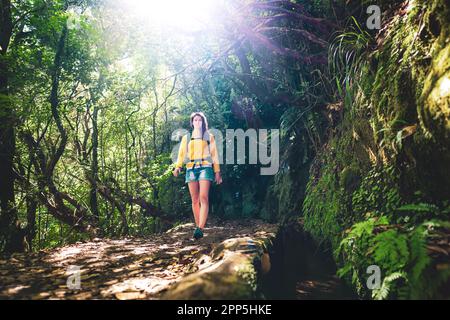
x: 198, y: 233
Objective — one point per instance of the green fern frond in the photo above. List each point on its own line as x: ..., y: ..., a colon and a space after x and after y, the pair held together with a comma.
x: 419, y: 207
x: 419, y: 256
x: 383, y: 292
x: 391, y: 250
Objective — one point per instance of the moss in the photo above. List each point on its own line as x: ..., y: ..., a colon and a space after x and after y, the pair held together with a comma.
x: 350, y: 178
x: 391, y: 148
x: 322, y: 204
x: 247, y: 272
x: 435, y: 106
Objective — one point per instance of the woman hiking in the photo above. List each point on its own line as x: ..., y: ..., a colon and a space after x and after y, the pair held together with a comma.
x: 203, y: 168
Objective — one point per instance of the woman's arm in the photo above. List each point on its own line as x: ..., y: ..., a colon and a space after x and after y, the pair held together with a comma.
x: 181, y: 152
x: 215, y: 158
x: 214, y: 154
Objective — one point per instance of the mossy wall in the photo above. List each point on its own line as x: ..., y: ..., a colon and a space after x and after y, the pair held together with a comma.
x: 379, y: 189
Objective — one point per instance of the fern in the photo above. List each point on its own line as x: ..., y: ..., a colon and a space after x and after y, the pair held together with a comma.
x: 420, y: 207
x: 383, y: 292
x: 391, y: 250
x: 425, y: 279
x: 419, y: 256
x: 359, y: 231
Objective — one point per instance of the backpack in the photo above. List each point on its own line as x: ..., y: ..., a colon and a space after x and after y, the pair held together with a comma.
x: 186, y: 158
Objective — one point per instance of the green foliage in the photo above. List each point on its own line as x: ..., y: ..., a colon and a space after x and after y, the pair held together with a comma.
x: 391, y: 249
x: 347, y: 56
x: 321, y: 209
x: 383, y: 292
x: 374, y: 198
x: 149, y: 225
x: 416, y: 213
x: 353, y: 250
x: 378, y: 192
x: 399, y: 253
x: 170, y: 188
x: 419, y: 256
x: 381, y: 175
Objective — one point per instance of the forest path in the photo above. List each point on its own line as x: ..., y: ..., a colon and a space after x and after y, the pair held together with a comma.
x: 129, y: 268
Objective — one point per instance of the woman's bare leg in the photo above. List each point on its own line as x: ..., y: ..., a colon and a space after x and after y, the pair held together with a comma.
x: 204, y: 202
x: 194, y: 191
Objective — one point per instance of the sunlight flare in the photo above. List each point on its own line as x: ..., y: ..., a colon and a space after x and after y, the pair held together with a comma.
x: 185, y: 15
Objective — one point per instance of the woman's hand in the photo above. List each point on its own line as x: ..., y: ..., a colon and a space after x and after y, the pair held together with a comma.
x: 218, y: 178
x: 176, y: 172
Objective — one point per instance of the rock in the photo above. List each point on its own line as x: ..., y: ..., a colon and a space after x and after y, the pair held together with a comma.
x: 230, y: 274
x: 129, y: 295
x: 435, y: 111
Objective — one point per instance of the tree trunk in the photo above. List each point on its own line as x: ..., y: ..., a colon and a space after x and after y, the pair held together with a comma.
x: 94, y: 165
x: 73, y: 213
x: 31, y: 222
x: 10, y: 231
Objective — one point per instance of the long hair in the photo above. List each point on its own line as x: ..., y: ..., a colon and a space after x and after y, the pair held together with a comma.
x: 205, y: 130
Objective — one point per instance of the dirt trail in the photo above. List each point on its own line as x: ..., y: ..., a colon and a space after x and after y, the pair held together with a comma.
x: 129, y: 268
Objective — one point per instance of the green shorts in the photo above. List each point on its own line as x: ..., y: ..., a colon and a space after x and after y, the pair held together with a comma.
x: 200, y: 173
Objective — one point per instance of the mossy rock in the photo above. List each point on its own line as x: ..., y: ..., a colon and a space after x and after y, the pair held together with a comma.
x: 434, y: 108
x: 232, y: 277
x: 232, y: 273
x: 436, y: 98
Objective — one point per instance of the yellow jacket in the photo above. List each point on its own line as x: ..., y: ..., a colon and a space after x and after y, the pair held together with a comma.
x: 198, y: 149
